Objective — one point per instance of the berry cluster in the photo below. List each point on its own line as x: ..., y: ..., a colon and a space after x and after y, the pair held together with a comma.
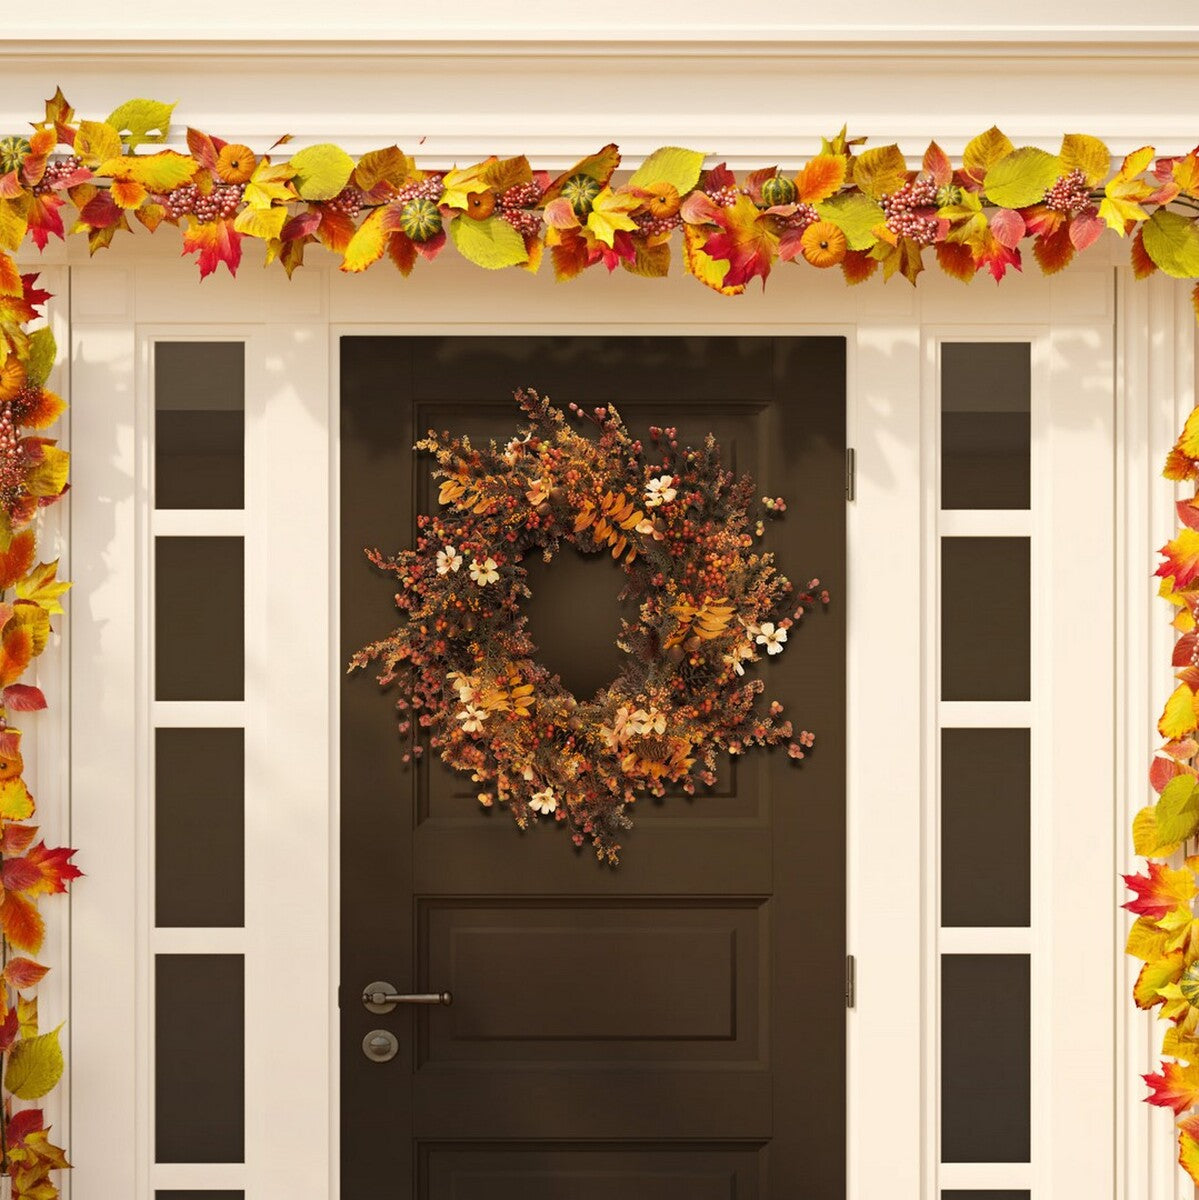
x: 12, y: 460
x: 803, y: 216
x: 516, y: 207
x: 62, y: 168
x: 726, y: 197
x: 911, y: 211
x: 222, y: 202
x: 424, y: 189
x: 179, y: 201
x: 348, y: 201
x: 1069, y: 195
x: 652, y: 226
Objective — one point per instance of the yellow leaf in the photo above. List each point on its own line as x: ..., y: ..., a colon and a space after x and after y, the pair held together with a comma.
x: 16, y: 804
x: 368, y: 243
x: 36, y: 619
x: 984, y: 151
x: 42, y: 586
x: 49, y: 477
x: 34, y: 1066
x: 269, y: 184
x: 1145, y: 940
x: 1081, y: 152
x: 1146, y: 839
x: 880, y: 171
x: 505, y: 173
x: 14, y: 221
x: 610, y: 213
x: 97, y: 142
x: 264, y: 223
x: 160, y: 172
x: 321, y: 171
x: 1154, y: 976
x: 1178, y: 717
x: 460, y: 183
x: 390, y: 164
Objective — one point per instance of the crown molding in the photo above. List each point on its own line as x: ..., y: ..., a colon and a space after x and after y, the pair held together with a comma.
x: 796, y: 42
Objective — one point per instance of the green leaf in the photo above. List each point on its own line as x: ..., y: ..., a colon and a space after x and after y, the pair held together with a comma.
x: 321, y: 171
x: 492, y: 243
x: 1172, y: 241
x: 856, y: 216
x: 42, y: 350
x: 146, y: 120
x: 34, y: 1066
x: 1177, y: 812
x: 1022, y: 177
x: 670, y: 164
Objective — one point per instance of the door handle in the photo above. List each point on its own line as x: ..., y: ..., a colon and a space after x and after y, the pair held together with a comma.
x: 381, y: 997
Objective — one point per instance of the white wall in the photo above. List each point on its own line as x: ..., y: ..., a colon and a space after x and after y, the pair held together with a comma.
x: 615, y: 20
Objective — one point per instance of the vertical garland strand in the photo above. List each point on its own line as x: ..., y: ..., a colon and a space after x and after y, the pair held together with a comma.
x: 33, y: 474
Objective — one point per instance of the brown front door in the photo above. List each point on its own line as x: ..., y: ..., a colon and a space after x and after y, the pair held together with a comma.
x: 669, y: 1029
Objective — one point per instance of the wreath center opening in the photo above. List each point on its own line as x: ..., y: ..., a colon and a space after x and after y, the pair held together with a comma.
x: 574, y: 617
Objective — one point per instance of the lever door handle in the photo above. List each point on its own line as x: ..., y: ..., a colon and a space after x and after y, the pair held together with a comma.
x: 381, y: 997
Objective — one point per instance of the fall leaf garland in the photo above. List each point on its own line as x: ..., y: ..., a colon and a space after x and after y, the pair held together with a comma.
x: 33, y: 474
x: 858, y: 209
x: 707, y: 603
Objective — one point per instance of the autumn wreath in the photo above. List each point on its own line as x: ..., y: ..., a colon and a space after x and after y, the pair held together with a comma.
x: 707, y: 604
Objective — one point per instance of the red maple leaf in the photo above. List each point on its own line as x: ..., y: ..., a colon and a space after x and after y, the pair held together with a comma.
x: 1177, y: 1087
x: 745, y: 241
x: 1161, y: 891
x: 213, y: 242
x: 45, y: 219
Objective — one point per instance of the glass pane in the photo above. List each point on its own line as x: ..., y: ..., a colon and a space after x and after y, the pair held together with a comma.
x: 963, y: 1195
x: 222, y: 1195
x: 199, y: 424
x: 198, y: 618
x: 985, y: 1020
x: 984, y: 826
x: 199, y: 1058
x: 986, y: 402
x: 199, y: 811
x: 985, y: 634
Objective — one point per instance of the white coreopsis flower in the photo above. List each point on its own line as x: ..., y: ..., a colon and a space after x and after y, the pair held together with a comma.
x: 543, y: 802
x: 659, y: 491
x: 771, y: 638
x: 472, y: 718
x: 484, y: 572
x: 466, y: 686
x: 448, y: 560
x: 647, y: 528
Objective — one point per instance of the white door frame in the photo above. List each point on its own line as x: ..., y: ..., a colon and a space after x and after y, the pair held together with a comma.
x: 119, y: 304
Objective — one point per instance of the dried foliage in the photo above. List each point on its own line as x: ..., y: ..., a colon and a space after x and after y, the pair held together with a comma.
x: 707, y: 605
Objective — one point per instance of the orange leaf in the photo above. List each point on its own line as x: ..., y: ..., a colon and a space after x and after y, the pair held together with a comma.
x: 1142, y: 265
x: 127, y: 193
x: 956, y: 259
x: 1161, y: 891
x: 21, y: 922
x: 857, y: 266
x: 823, y: 176
x: 16, y: 651
x: 1053, y: 251
x: 1181, y: 558
x: 16, y: 561
x: 22, y: 973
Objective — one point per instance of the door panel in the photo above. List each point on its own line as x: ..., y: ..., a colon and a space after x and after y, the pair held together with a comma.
x: 690, y: 1000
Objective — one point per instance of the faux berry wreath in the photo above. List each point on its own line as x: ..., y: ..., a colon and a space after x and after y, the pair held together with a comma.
x: 708, y: 603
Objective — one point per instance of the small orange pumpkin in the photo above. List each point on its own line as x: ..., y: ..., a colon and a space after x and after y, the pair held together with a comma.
x: 235, y: 163
x: 662, y: 200
x: 480, y: 205
x: 823, y: 244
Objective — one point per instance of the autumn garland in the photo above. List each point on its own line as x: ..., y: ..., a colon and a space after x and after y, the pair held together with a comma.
x: 466, y: 668
x: 860, y: 210
x: 857, y: 210
x: 33, y: 474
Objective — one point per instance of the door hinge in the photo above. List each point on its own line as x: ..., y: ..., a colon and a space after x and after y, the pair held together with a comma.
x: 851, y: 981
x: 850, y: 469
